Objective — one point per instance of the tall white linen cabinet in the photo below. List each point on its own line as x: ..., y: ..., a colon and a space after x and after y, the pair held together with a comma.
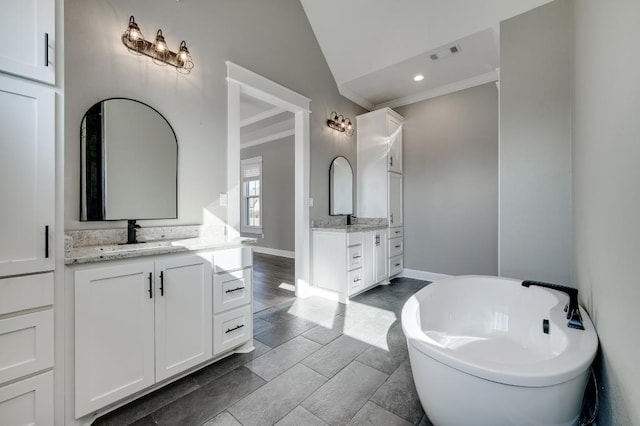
x: 27, y: 225
x: 379, y: 182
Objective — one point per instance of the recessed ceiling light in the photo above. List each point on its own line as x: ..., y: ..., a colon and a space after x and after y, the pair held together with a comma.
x: 418, y: 77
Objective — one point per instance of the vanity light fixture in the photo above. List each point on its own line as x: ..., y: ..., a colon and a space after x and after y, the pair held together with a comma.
x: 340, y: 123
x: 418, y: 77
x: 158, y: 51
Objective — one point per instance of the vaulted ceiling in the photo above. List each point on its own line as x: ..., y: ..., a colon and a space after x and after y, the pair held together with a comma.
x: 374, y: 48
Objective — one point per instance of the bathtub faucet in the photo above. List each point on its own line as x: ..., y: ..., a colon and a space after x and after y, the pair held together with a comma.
x: 573, y: 309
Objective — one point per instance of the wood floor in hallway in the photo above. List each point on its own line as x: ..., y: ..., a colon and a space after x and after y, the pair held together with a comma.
x: 273, y: 281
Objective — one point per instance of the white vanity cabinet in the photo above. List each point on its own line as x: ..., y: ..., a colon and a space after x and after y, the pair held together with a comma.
x: 137, y: 323
x: 28, y: 31
x: 348, y: 263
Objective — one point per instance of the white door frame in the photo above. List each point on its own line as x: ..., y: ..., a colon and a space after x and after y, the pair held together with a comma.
x: 241, y: 80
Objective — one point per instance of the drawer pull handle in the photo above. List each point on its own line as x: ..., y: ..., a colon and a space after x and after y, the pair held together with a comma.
x: 355, y: 280
x: 46, y: 49
x: 397, y: 264
x: 46, y: 241
x: 397, y: 232
x: 229, y: 330
x: 398, y: 246
x: 234, y: 289
x: 150, y: 284
x: 356, y: 256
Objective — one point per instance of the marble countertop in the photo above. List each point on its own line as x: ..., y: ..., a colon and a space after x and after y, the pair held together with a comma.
x: 349, y: 228
x: 99, y: 253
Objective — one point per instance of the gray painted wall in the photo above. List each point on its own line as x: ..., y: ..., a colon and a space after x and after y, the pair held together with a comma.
x: 535, y: 144
x: 271, y: 38
x: 606, y: 175
x: 278, y: 218
x: 450, y: 153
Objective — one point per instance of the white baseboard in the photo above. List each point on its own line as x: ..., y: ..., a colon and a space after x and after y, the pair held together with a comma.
x: 423, y: 275
x: 274, y: 252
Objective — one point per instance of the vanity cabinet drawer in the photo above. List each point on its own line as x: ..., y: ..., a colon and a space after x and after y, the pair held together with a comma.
x: 354, y: 280
x: 354, y: 257
x: 232, y: 259
x: 354, y: 238
x: 231, y: 290
x: 28, y: 402
x: 232, y: 329
x: 27, y: 344
x: 396, y: 232
x: 26, y: 292
x: 396, y: 246
x: 396, y: 264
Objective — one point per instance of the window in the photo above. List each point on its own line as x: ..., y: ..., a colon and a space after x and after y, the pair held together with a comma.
x: 251, y: 172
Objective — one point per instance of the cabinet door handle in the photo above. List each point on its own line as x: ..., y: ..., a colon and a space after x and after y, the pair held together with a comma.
x: 391, y: 161
x: 161, y: 283
x: 234, y: 289
x: 229, y: 330
x: 46, y: 242
x: 391, y: 217
x: 150, y: 285
x: 46, y: 49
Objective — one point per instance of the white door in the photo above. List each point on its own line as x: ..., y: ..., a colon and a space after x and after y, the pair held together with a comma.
x: 27, y: 31
x: 114, y: 333
x: 380, y: 250
x: 395, y: 199
x: 183, y: 314
x: 27, y: 177
x: 394, y: 129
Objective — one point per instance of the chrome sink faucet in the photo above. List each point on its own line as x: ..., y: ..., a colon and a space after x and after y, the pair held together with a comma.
x: 572, y: 309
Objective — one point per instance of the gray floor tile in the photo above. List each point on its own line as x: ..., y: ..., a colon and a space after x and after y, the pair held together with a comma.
x: 274, y: 400
x: 369, y: 324
x: 284, y: 331
x: 335, y: 356
x: 223, y: 419
x: 374, y: 415
x: 300, y: 416
x: 145, y: 421
x: 424, y: 421
x: 280, y: 359
x: 387, y: 360
x: 399, y: 395
x: 260, y: 325
x: 225, y: 365
x: 338, y: 400
x: 326, y: 331
x: 147, y: 404
x: 207, y: 402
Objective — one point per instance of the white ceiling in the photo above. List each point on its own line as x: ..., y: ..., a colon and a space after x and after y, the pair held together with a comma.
x: 375, y: 47
x: 261, y: 122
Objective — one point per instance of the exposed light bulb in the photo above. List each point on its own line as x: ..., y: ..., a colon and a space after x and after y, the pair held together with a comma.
x: 418, y: 77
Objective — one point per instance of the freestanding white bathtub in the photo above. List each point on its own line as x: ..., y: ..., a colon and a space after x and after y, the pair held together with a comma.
x: 480, y: 356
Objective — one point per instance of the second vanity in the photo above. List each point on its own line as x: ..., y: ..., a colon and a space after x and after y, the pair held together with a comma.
x: 349, y: 259
x: 143, y: 315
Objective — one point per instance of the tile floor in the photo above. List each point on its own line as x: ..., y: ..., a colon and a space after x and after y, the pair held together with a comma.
x: 316, y: 363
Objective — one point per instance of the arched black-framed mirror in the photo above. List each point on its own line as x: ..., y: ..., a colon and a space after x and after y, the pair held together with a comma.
x: 340, y: 187
x: 129, y: 163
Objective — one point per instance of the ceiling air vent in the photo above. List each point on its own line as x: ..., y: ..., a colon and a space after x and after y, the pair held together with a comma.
x: 444, y: 52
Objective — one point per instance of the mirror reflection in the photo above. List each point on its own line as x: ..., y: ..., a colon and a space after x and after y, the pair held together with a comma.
x: 129, y: 163
x: 340, y: 187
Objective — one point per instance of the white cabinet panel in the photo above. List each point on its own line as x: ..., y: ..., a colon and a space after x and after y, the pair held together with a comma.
x: 232, y: 328
x: 27, y: 28
x: 396, y: 264
x: 182, y: 313
x: 380, y: 256
x: 26, y: 177
x: 114, y: 333
x: 394, y: 157
x: 232, y: 290
x: 395, y: 199
x: 26, y: 344
x: 354, y: 257
x: 28, y: 402
x: 232, y: 259
x: 25, y: 292
x: 395, y: 246
x: 396, y: 232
